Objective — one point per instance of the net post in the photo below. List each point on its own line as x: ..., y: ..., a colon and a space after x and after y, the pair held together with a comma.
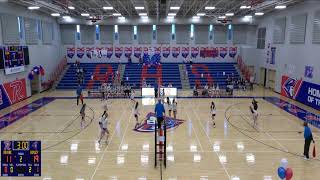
x: 165, y: 144
x: 155, y: 144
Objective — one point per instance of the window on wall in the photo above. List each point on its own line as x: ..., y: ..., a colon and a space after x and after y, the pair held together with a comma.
x: 97, y: 32
x: 240, y: 34
x: 47, y: 32
x: 67, y: 33
x: 11, y: 34
x: 31, y: 30
x: 220, y: 34
x: 87, y: 34
x: 106, y: 34
x: 316, y: 28
x: 261, y: 40
x: 279, y: 30
x: 298, y: 29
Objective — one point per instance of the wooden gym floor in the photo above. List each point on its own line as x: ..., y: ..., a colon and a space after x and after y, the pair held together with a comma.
x: 196, y: 150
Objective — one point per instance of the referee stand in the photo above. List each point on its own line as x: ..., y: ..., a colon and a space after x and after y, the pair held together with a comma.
x: 160, y: 139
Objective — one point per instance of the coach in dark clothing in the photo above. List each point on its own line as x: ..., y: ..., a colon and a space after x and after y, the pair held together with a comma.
x: 307, y: 140
x: 160, y: 112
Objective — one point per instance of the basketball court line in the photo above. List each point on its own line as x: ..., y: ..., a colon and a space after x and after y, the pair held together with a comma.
x: 125, y: 131
x: 194, y: 131
x: 223, y: 166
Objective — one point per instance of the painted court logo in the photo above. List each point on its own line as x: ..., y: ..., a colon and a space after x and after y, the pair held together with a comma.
x: 148, y: 123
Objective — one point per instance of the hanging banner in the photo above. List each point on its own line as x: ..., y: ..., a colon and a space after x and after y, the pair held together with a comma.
x: 128, y: 51
x: 118, y: 51
x: 302, y: 91
x: 203, y: 52
x: 157, y: 50
x: 223, y: 52
x: 185, y: 51
x: 232, y: 52
x: 98, y: 52
x: 166, y: 51
x: 308, y: 72
x: 109, y: 51
x: 137, y: 52
x: 71, y: 52
x: 145, y: 51
x: 215, y: 52
x: 194, y: 52
x: 80, y: 52
x: 89, y: 52
x: 175, y: 52
x: 268, y: 53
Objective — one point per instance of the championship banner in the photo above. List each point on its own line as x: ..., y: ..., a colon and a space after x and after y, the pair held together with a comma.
x: 223, y: 52
x: 302, y: 91
x: 215, y: 52
x: 232, y: 51
x: 165, y: 52
x: 98, y: 52
x: 175, y: 51
x: 12, y: 92
x: 273, y: 55
x: 71, y: 52
x: 89, y: 52
x: 109, y: 51
x: 127, y: 51
x: 118, y: 51
x: 80, y: 52
x: 137, y: 52
x: 194, y: 52
x: 145, y: 51
x: 185, y: 52
x: 203, y: 52
x: 157, y: 50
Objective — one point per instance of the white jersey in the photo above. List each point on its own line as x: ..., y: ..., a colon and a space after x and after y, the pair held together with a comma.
x: 213, y: 110
x: 132, y: 96
x: 174, y: 106
x: 103, y: 122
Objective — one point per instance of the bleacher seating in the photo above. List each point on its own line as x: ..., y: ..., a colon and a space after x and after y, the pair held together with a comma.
x: 215, y: 71
x: 169, y: 73
x: 69, y: 81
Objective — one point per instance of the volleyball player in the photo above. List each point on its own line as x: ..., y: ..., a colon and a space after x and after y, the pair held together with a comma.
x: 103, y: 123
x: 174, y: 108
x: 169, y: 106
x: 213, y: 113
x: 136, y: 114
x: 132, y: 96
x: 105, y: 107
x: 83, y: 115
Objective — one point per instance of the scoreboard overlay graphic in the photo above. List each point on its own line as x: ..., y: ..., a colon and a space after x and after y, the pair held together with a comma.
x: 20, y: 158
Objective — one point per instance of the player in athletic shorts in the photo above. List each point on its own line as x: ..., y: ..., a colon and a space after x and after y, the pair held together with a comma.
x: 136, y: 114
x: 103, y: 123
x: 169, y: 106
x: 174, y: 108
x: 132, y: 96
x: 105, y: 107
x: 254, y: 111
x: 83, y: 115
x: 213, y: 113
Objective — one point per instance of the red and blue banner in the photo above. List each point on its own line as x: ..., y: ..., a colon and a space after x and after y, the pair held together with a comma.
x: 118, y: 51
x: 137, y: 52
x: 301, y: 91
x: 89, y: 52
x: 223, y: 52
x: 185, y: 52
x: 71, y: 52
x: 80, y: 52
x: 232, y: 51
x: 194, y: 52
x: 98, y: 53
x: 128, y: 51
x: 175, y: 52
x: 12, y: 92
x: 109, y: 51
x: 165, y: 52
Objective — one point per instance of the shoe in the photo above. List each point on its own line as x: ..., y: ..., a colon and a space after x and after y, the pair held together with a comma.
x: 305, y: 158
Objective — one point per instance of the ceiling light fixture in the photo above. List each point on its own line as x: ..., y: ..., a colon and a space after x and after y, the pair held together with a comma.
x: 143, y: 14
x: 172, y: 14
x: 280, y: 7
x: 121, y: 18
x: 175, y: 8
x: 259, y: 13
x: 71, y: 7
x: 85, y: 14
x: 196, y: 17
x: 139, y: 7
x: 116, y: 14
x: 201, y: 14
x: 55, y: 14
x: 209, y: 7
x: 33, y: 7
x: 229, y: 14
x: 222, y: 17
x: 107, y: 8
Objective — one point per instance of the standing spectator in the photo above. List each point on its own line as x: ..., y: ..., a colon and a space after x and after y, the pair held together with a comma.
x: 79, y: 94
x: 160, y: 112
x: 307, y: 140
